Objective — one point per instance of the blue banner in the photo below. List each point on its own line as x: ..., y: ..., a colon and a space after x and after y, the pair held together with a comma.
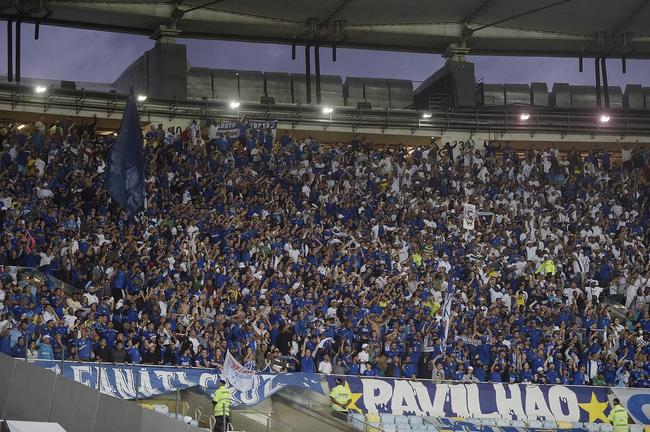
x: 124, y: 381
x: 514, y: 401
x: 126, y: 173
x: 374, y: 395
x: 235, y: 129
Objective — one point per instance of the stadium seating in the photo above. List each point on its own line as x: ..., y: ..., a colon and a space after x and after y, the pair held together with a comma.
x: 294, y: 251
x: 396, y: 423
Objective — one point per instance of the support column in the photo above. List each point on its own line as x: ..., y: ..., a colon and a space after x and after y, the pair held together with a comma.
x: 167, y: 65
x: 455, y: 80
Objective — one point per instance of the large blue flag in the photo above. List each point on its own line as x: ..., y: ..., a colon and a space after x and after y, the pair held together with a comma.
x: 126, y: 174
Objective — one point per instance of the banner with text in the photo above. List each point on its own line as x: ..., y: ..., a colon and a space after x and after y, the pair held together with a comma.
x: 234, y: 130
x: 237, y: 375
x: 515, y: 401
x: 126, y: 381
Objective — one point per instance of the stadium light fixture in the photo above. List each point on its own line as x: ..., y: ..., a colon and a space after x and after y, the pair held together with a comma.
x: 234, y: 104
x: 427, y: 115
x: 524, y: 116
x: 328, y: 110
x: 142, y: 98
x: 604, y: 118
x: 41, y: 89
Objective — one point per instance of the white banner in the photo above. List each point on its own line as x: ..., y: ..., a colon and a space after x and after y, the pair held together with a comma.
x: 469, y: 216
x: 636, y: 401
x: 237, y: 375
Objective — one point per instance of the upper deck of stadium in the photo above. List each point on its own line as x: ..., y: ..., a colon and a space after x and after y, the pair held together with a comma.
x: 505, y: 27
x: 450, y: 100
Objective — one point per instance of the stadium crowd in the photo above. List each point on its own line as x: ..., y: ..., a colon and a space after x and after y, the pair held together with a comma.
x: 296, y: 256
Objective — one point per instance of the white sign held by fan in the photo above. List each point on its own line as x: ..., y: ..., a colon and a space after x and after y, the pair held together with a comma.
x: 469, y: 216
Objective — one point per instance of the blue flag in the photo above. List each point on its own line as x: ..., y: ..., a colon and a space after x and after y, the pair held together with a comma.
x: 126, y: 173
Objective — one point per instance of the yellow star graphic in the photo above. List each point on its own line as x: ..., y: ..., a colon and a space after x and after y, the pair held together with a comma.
x: 354, y: 397
x: 595, y: 409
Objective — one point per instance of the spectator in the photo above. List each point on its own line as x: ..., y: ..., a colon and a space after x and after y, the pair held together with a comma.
x: 45, y: 351
x: 119, y: 354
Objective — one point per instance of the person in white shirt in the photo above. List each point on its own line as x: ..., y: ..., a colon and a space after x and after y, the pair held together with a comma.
x: 325, y: 366
x: 90, y: 295
x: 364, y: 354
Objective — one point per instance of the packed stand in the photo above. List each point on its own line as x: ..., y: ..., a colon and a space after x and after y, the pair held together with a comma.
x: 299, y: 257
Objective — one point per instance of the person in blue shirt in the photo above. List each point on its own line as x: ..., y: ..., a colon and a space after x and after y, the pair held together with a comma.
x: 307, y: 364
x: 496, y: 373
x: 45, y: 351
x: 84, y: 346
x: 552, y: 374
x: 19, y: 350
x: 5, y: 340
x: 354, y: 368
x: 526, y: 374
x: 409, y: 370
x: 185, y: 359
x: 369, y: 370
x: 459, y: 373
x: 609, y: 372
x: 134, y: 351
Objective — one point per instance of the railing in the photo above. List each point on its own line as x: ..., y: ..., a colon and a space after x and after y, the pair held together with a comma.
x: 272, y: 423
x: 480, y: 119
x: 25, y: 275
x: 325, y: 410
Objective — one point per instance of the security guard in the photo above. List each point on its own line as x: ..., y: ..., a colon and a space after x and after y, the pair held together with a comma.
x: 341, y: 398
x: 221, y: 404
x: 618, y: 417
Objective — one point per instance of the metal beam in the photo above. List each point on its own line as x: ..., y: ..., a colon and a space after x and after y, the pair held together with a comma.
x: 307, y: 73
x: 637, y: 10
x: 475, y: 12
x: 519, y: 15
x: 335, y: 12
x: 201, y: 6
x: 603, y: 64
x: 317, y: 71
x: 10, y: 50
x: 598, y: 90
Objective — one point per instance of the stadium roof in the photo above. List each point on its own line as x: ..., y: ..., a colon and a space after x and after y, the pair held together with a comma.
x: 496, y: 27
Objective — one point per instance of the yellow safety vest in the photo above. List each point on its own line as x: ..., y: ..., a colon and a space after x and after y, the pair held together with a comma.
x: 221, y: 398
x: 546, y: 267
x: 341, y: 395
x: 618, y: 419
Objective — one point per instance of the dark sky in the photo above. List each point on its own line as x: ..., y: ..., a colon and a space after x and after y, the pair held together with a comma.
x: 83, y: 55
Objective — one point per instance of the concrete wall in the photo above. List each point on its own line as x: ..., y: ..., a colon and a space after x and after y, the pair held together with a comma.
x: 33, y: 393
x: 167, y: 71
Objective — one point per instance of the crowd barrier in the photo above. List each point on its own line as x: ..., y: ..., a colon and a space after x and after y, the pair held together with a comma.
x: 374, y: 395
